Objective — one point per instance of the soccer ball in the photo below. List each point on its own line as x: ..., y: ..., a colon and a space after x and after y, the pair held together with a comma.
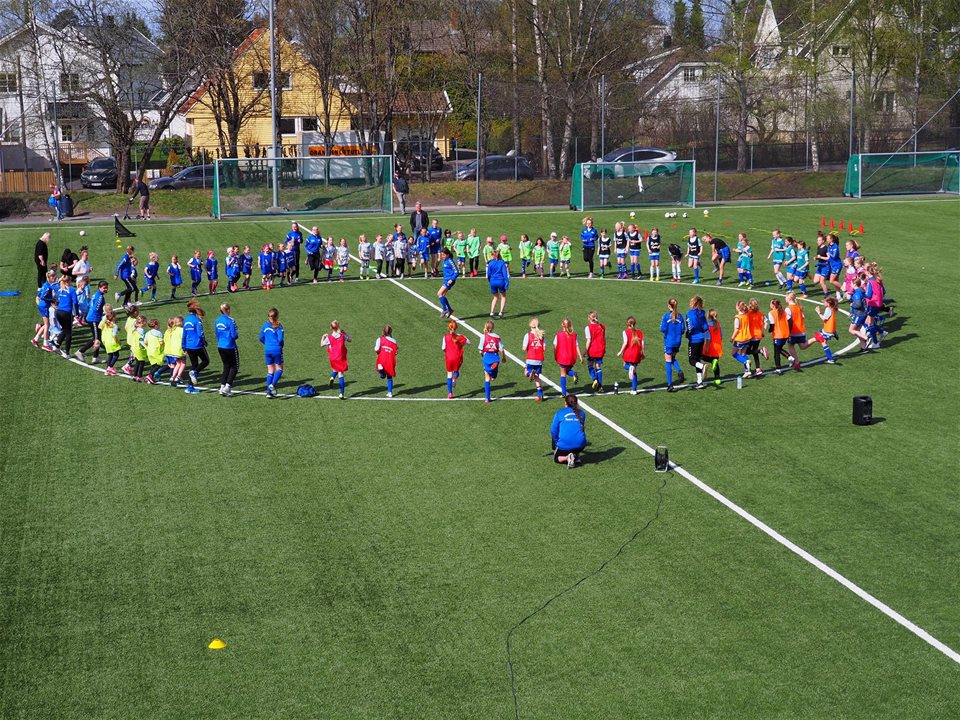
x: 706, y: 213
x: 633, y: 215
x: 684, y: 214
x: 82, y: 233
x: 666, y: 214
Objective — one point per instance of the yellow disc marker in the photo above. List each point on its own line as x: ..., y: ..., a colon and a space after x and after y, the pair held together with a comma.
x: 217, y: 644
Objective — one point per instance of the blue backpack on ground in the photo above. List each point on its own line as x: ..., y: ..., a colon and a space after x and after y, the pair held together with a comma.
x: 306, y: 391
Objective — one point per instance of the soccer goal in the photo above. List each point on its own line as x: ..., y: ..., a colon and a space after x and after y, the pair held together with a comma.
x: 903, y: 173
x: 600, y: 184
x: 328, y: 184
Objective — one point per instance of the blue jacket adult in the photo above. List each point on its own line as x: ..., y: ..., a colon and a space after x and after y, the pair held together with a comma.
x: 312, y: 244
x: 588, y: 236
x: 67, y: 300
x: 226, y: 329
x: 568, y: 429
x: 696, y: 325
x: 497, y: 274
x: 124, y: 268
x: 95, y: 312
x: 272, y: 338
x: 450, y: 271
x: 193, y: 338
x: 672, y: 330
x: 296, y: 237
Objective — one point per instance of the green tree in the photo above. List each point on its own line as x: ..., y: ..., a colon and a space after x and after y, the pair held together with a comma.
x: 680, y: 29
x: 696, y: 34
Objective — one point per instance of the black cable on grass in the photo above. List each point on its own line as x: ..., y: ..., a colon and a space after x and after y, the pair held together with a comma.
x: 574, y: 586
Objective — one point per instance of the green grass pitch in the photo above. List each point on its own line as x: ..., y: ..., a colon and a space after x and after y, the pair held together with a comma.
x: 367, y: 558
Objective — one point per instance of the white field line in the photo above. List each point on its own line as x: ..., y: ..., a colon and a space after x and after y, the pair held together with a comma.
x: 722, y: 499
x: 378, y: 217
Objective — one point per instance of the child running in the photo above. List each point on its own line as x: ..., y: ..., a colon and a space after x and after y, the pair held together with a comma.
x: 829, y: 332
x: 566, y: 351
x: 533, y: 346
x: 553, y: 253
x: 779, y: 325
x: 452, y: 346
x: 450, y: 275
x: 173, y: 347
x: 777, y: 254
x: 632, y: 351
x: 150, y: 273
x: 620, y: 249
x: 110, y: 337
x: 713, y: 348
x: 525, y: 249
x: 336, y: 344
x: 153, y: 343
x: 492, y: 353
x: 266, y: 267
x: 798, y: 326
x: 363, y: 252
x: 696, y: 321
x: 212, y: 274
x: 741, y: 337
x: 196, y: 272
x: 566, y: 255
x: 595, y: 340
x: 271, y: 336
x: 386, y: 350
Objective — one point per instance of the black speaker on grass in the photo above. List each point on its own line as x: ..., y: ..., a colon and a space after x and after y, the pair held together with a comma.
x: 862, y: 410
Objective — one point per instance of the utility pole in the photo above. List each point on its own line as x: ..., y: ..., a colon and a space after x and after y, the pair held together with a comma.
x: 275, y: 178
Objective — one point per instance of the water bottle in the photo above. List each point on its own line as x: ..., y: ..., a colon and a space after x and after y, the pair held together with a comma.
x: 616, y: 388
x: 739, y: 382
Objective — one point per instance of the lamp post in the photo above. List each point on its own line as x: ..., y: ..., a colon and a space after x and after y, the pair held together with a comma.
x: 274, y: 177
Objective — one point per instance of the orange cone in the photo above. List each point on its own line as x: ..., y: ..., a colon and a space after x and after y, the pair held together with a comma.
x: 832, y: 226
x: 823, y: 221
x: 841, y: 225
x: 861, y: 228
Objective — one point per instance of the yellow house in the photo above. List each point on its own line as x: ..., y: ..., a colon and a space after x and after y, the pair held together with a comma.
x: 298, y: 99
x: 416, y: 114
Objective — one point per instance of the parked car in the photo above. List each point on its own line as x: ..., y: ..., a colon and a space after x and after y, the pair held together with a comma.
x: 196, y: 176
x: 498, y: 167
x: 611, y: 164
x: 100, y: 173
x: 414, y: 153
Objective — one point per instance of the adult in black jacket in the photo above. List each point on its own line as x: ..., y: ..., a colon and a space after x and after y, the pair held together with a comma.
x: 418, y: 220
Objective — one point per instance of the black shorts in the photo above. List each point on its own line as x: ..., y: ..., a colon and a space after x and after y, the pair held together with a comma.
x: 558, y: 451
x: 695, y: 352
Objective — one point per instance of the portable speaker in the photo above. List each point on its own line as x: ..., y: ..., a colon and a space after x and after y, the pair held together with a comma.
x: 862, y: 410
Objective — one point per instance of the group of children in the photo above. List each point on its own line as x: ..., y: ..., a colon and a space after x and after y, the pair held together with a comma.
x: 155, y: 350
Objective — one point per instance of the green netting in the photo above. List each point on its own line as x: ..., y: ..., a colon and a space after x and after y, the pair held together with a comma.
x: 600, y: 185
x: 902, y: 174
x: 360, y: 183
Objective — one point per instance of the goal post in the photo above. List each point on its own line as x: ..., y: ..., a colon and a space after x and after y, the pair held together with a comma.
x: 621, y: 184
x: 307, y: 184
x: 907, y: 173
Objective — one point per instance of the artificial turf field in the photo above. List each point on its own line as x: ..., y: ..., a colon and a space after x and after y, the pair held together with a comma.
x: 368, y: 558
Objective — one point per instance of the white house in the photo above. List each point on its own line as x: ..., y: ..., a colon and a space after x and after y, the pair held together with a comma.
x: 46, y: 75
x: 678, y: 84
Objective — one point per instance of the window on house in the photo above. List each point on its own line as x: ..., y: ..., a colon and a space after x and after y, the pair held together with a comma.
x: 691, y: 75
x: 11, y: 127
x: 261, y: 81
x: 69, y: 83
x: 66, y: 133
x: 8, y: 82
x: 841, y: 51
x: 308, y: 124
x: 287, y: 126
x: 884, y: 102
